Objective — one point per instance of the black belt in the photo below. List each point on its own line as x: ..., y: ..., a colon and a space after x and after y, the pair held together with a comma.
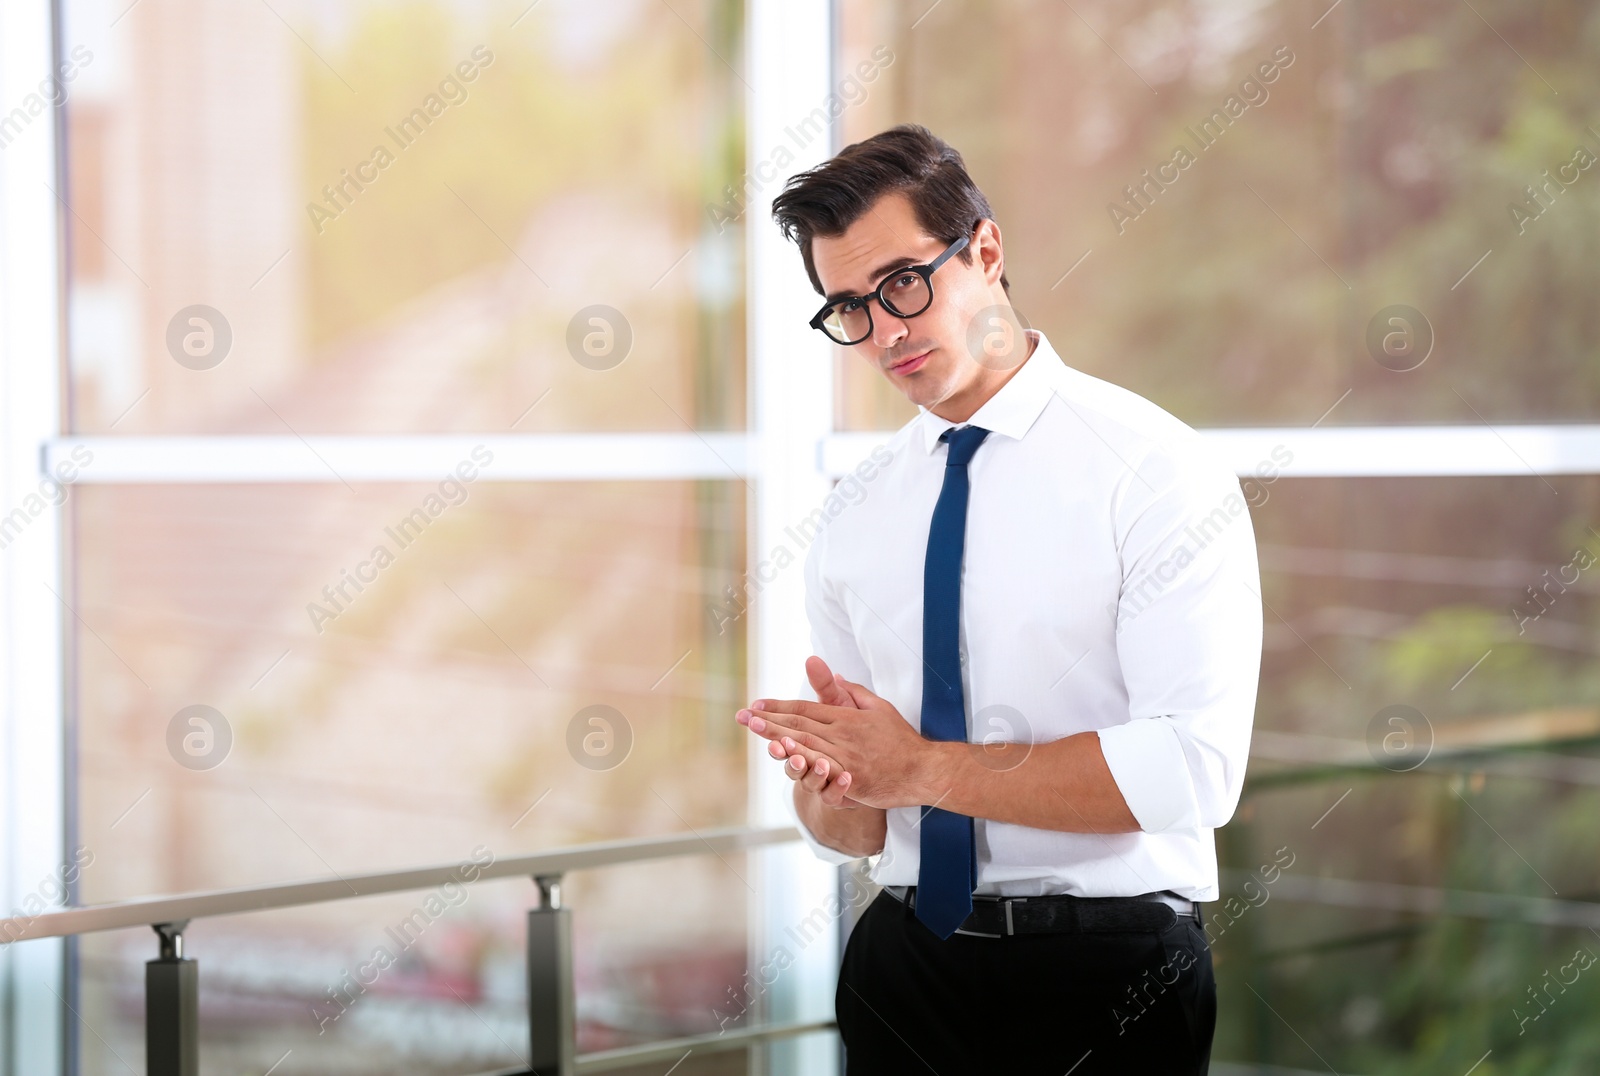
x: 997, y: 917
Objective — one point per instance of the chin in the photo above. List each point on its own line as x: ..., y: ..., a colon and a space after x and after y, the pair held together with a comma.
x: 924, y: 393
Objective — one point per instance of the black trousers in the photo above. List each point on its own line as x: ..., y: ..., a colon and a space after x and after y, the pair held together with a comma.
x: 1091, y: 1003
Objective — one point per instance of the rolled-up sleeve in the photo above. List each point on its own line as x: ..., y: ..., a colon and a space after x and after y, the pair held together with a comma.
x: 1188, y: 639
x: 833, y: 642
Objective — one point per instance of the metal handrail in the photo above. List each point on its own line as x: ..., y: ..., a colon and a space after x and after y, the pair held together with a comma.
x: 148, y: 911
x: 1408, y: 898
x: 172, y: 983
x: 1323, y: 758
x: 627, y: 1057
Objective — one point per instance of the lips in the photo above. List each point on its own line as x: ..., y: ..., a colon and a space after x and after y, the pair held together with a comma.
x: 906, y: 366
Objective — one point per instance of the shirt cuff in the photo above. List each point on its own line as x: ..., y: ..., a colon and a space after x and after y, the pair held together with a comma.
x: 1147, y: 762
x: 820, y: 850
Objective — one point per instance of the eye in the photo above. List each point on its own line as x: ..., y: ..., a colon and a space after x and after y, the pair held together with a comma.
x: 850, y: 306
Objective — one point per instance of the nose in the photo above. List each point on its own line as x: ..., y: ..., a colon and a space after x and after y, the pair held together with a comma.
x: 887, y: 330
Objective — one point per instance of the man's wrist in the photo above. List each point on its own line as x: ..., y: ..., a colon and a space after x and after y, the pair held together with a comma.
x: 859, y: 831
x: 931, y: 771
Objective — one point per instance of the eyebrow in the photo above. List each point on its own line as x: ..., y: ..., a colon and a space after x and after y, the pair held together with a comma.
x: 877, y: 274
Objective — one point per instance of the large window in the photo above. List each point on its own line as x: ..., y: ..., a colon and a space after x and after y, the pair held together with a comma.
x: 1287, y: 216
x: 403, y: 218
x: 309, y: 632
x: 1212, y: 203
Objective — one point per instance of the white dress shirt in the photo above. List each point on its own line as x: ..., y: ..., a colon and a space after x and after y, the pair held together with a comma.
x: 1109, y: 583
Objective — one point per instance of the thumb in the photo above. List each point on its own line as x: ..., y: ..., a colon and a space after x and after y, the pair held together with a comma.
x: 829, y: 688
x: 860, y: 697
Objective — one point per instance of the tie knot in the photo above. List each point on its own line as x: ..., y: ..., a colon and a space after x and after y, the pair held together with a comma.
x: 963, y: 443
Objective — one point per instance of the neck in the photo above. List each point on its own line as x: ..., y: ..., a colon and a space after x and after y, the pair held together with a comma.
x: 961, y: 406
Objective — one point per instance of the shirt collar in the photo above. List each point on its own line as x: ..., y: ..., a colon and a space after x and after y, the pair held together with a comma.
x: 1012, y: 410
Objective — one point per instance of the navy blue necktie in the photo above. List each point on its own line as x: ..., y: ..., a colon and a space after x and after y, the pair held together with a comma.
x: 949, y: 868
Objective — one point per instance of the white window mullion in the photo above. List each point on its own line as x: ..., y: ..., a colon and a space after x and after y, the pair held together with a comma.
x: 1480, y: 450
x: 32, y: 798
x: 405, y: 458
x: 788, y: 68
x: 1337, y: 452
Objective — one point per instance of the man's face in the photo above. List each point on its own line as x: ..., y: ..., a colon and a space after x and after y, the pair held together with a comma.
x: 927, y: 357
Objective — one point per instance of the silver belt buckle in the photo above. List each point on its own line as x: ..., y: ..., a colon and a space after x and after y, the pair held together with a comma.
x: 1005, y: 902
x: 900, y: 893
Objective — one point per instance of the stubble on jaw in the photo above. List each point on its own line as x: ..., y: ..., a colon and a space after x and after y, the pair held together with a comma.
x: 932, y: 393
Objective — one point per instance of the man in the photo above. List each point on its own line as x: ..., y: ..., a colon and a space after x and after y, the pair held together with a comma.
x: 1037, y: 639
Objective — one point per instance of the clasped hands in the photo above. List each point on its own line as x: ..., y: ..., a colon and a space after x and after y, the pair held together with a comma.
x: 852, y: 748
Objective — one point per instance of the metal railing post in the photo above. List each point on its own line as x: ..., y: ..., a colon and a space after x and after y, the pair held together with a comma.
x: 552, y: 1020
x: 172, y: 1007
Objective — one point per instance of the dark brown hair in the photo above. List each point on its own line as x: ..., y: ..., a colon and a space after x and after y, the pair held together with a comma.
x: 831, y: 197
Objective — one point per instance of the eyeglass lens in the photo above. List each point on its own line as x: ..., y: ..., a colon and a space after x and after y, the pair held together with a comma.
x: 905, y: 295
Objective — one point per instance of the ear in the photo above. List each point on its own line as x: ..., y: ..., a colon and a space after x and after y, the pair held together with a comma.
x: 990, y: 252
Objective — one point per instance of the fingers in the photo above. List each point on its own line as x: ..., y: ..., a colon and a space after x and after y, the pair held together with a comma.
x: 800, y: 763
x: 816, y: 778
x: 836, y: 792
x: 817, y: 774
x: 797, y: 768
x: 771, y: 725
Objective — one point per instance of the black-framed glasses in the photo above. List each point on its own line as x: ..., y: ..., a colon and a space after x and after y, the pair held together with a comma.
x: 905, y: 293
